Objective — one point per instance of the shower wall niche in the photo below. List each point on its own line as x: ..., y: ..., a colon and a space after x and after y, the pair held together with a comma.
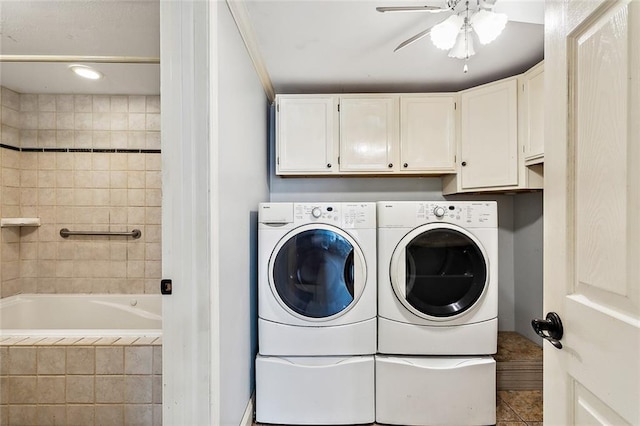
x: 86, y: 163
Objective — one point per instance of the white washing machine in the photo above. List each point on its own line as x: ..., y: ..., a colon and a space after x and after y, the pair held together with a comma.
x: 437, y: 278
x: 316, y: 313
x: 317, y: 279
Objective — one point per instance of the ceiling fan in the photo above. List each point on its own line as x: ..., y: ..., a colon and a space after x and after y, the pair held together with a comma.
x: 455, y: 33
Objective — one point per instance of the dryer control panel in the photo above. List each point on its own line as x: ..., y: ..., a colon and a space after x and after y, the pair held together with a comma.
x: 470, y: 214
x: 344, y: 215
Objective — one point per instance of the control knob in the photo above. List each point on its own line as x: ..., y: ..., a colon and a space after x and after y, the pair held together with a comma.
x: 439, y: 211
x: 316, y: 212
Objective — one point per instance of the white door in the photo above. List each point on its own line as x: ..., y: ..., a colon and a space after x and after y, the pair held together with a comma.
x: 592, y: 211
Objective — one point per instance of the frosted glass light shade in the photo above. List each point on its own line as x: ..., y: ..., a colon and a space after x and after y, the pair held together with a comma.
x: 488, y: 25
x: 443, y: 35
x: 463, y: 49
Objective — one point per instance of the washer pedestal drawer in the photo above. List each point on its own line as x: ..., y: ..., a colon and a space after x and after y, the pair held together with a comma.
x: 435, y: 390
x: 315, y: 390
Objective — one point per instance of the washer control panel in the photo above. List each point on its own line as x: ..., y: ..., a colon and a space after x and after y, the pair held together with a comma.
x: 344, y: 215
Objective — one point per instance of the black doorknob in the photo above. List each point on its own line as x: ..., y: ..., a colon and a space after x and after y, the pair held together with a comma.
x: 549, y: 328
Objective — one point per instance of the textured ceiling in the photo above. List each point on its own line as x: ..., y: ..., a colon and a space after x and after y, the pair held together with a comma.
x: 307, y: 45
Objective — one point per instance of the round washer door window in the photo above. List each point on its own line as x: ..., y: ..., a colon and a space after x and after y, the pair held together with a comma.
x: 317, y: 272
x: 439, y: 271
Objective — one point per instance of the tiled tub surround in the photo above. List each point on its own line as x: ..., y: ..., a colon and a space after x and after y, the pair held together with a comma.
x: 82, y: 162
x: 78, y: 382
x: 81, y: 359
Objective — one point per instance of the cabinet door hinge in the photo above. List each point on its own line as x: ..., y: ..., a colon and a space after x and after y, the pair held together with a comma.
x: 278, y: 107
x: 523, y: 87
x: 338, y: 107
x: 277, y: 160
x: 338, y: 160
x: 455, y: 105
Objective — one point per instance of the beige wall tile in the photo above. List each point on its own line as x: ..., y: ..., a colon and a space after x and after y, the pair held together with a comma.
x: 4, y: 390
x: 83, y: 103
x: 81, y: 360
x: 80, y: 389
x: 101, y: 103
x: 138, y: 414
x: 22, y: 360
x: 47, y: 103
x: 64, y: 103
x: 28, y: 102
x: 4, y: 360
x: 23, y: 414
x: 51, y: 389
x: 80, y: 414
x: 52, y: 415
x: 138, y: 389
x: 137, y: 103
x: 23, y: 390
x: 51, y: 360
x: 109, y: 415
x: 138, y: 360
x: 110, y: 389
x: 110, y: 360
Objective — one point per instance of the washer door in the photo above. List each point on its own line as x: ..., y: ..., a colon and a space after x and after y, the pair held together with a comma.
x: 439, y: 271
x: 317, y: 272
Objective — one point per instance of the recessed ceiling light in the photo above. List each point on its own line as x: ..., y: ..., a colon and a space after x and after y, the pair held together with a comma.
x: 86, y: 72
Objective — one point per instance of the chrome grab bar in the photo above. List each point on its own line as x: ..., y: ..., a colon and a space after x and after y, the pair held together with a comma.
x: 64, y: 233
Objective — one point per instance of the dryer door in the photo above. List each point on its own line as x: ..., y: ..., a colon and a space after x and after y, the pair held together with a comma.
x: 317, y: 272
x: 439, y: 271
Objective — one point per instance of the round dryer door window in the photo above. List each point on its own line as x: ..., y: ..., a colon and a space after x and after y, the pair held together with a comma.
x: 439, y: 271
x: 317, y: 272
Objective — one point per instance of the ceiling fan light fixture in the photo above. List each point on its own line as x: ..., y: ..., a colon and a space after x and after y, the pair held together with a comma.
x: 443, y: 35
x: 488, y: 25
x: 463, y: 48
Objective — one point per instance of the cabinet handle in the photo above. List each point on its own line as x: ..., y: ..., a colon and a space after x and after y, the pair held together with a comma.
x: 329, y: 165
x: 464, y: 163
x: 405, y: 165
x: 390, y: 165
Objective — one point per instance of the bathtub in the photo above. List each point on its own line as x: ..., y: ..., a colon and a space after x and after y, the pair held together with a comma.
x: 74, y: 315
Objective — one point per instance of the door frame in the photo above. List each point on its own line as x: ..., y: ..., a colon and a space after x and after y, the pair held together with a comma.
x: 191, y: 337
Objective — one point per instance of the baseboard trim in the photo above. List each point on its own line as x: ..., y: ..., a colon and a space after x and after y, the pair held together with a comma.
x: 247, y: 419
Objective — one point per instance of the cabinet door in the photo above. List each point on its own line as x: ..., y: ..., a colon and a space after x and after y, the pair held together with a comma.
x: 368, y: 133
x: 307, y: 134
x: 427, y: 133
x: 489, y: 136
x: 533, y: 109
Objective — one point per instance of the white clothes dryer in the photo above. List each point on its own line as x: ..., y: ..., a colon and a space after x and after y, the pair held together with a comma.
x: 437, y: 278
x: 317, y: 279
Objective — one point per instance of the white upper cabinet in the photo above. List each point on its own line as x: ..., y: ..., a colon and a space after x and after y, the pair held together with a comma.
x: 307, y: 134
x: 368, y: 133
x: 427, y: 133
x: 489, y: 136
x: 531, y: 109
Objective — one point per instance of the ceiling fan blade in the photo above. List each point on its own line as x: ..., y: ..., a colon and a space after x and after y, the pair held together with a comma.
x: 430, y: 9
x: 413, y: 39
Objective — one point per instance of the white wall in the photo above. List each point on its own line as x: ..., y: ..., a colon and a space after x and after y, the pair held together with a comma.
x: 242, y: 183
x: 528, y: 255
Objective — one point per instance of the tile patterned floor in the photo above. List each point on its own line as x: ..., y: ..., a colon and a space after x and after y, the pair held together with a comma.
x: 521, y: 408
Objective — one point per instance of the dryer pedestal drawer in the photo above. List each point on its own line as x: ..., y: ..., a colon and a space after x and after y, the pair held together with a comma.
x: 315, y: 390
x: 435, y: 390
